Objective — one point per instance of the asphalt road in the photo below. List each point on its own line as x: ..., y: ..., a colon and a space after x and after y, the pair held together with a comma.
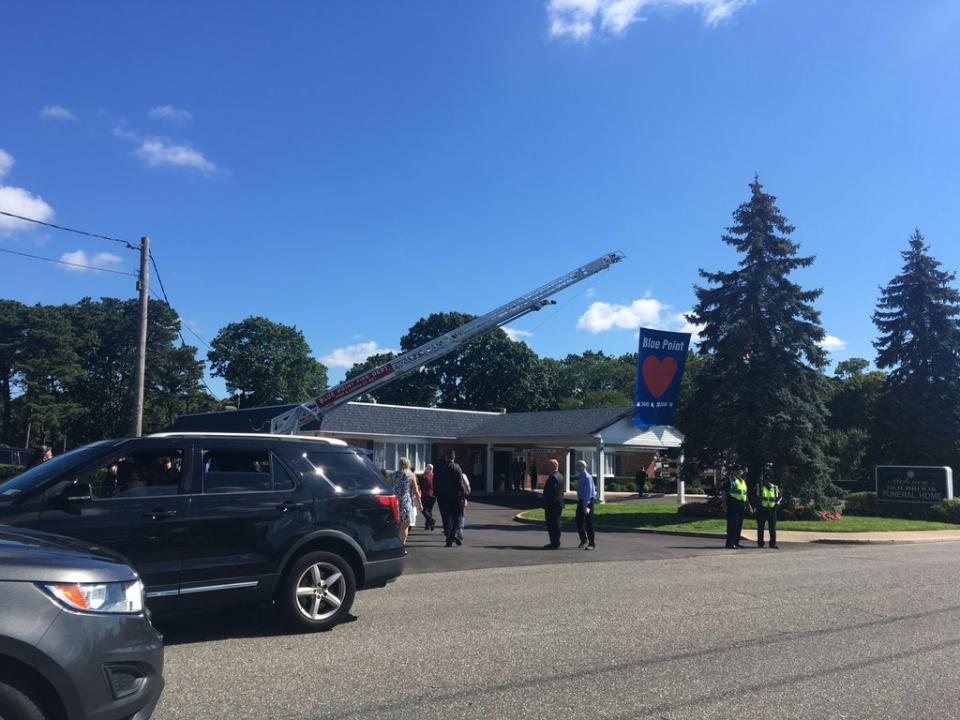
x: 679, y: 630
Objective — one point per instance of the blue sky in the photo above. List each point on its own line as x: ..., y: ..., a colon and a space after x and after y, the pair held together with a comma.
x: 351, y: 167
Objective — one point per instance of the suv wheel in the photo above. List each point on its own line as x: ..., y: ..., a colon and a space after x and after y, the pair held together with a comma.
x: 317, y: 591
x: 15, y: 704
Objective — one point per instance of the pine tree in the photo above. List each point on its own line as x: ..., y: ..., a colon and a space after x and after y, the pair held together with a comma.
x: 917, y: 318
x: 761, y: 393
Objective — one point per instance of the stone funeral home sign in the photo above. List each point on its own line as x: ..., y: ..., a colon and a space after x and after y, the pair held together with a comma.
x: 906, y: 484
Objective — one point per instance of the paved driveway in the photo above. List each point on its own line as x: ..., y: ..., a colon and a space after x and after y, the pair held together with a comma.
x: 648, y: 626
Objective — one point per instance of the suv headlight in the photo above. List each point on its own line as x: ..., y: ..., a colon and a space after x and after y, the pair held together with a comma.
x: 119, y: 597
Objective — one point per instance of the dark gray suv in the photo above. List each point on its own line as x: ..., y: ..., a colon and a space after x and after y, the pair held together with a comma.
x: 75, y: 642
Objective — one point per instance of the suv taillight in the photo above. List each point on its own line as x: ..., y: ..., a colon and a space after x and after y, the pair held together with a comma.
x: 390, y: 501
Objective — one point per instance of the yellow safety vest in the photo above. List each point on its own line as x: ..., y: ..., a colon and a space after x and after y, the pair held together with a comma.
x: 769, y: 495
x: 738, y: 489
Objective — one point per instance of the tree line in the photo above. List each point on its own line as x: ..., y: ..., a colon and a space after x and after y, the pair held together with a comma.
x: 757, y: 389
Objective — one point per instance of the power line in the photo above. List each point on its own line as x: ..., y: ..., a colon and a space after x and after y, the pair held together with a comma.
x: 130, y: 246
x: 65, y: 262
x: 156, y: 271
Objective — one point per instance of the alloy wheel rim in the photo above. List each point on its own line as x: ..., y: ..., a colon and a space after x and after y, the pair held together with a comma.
x: 320, y: 591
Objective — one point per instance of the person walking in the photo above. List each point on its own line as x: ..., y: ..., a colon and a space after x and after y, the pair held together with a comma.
x: 553, y: 504
x: 461, y: 523
x: 427, y: 498
x: 533, y: 475
x: 408, y: 498
x: 586, y: 496
x: 736, y: 503
x: 448, y: 490
x: 769, y: 499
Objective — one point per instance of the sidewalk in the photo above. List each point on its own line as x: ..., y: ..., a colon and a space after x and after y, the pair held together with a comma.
x: 749, y: 532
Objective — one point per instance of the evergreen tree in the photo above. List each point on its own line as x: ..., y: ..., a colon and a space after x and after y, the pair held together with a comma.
x: 917, y: 317
x: 761, y: 389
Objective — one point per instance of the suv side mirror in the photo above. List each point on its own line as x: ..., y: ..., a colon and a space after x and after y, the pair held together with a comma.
x: 77, y: 492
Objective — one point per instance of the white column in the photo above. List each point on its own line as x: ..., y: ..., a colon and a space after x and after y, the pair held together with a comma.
x: 601, y: 489
x: 489, y: 478
x: 566, y: 468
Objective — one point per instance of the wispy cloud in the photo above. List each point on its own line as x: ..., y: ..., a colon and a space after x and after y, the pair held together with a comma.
x: 580, y: 19
x: 57, y: 112
x: 161, y: 152
x: 644, y: 312
x: 347, y: 357
x: 98, y: 260
x: 831, y: 343
x: 19, y: 201
x: 156, y: 151
x: 517, y: 334
x: 170, y: 114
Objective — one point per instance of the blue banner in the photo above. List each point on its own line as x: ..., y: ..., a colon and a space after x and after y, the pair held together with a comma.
x: 660, y: 361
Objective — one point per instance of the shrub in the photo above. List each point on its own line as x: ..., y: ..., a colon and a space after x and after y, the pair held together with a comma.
x: 8, y: 471
x: 947, y: 511
x: 861, y: 503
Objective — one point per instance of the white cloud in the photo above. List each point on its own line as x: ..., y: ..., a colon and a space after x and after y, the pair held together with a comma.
x: 517, y: 334
x: 98, y: 260
x: 19, y: 201
x: 347, y: 357
x: 590, y: 292
x: 170, y: 114
x: 6, y: 162
x: 645, y: 312
x: 159, y: 152
x: 579, y: 19
x: 830, y: 343
x: 57, y: 112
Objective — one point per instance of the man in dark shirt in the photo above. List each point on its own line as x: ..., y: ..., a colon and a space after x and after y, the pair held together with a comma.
x: 448, y: 489
x: 553, y: 504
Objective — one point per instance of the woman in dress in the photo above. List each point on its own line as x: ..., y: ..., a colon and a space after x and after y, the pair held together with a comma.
x: 408, y: 498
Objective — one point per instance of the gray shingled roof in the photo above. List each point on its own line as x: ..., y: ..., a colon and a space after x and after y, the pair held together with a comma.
x: 555, y: 423
x: 352, y: 418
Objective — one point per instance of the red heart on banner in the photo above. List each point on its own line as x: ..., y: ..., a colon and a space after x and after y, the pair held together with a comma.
x: 658, y: 374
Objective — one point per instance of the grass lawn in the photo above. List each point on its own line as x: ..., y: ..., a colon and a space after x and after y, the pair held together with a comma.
x: 657, y: 516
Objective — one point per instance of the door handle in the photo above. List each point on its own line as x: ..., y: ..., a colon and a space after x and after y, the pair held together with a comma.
x: 159, y: 514
x: 290, y: 506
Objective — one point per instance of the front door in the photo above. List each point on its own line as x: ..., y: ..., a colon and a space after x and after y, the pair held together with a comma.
x: 136, y: 505
x: 245, y: 512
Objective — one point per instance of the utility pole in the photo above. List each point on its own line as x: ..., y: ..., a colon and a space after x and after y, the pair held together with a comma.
x: 142, y: 285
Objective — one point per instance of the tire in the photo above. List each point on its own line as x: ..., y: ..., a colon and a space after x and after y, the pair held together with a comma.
x: 15, y: 704
x: 317, y: 591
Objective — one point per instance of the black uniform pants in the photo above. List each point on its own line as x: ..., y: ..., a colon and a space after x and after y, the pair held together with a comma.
x: 735, y: 511
x: 767, y: 515
x: 450, y: 514
x: 552, y: 516
x: 585, y: 523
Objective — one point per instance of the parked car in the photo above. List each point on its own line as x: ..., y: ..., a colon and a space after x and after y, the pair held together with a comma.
x: 75, y: 643
x: 215, y: 519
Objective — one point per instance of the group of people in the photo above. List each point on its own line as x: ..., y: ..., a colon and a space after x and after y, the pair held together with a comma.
x: 737, y: 503
x: 447, y: 489
x: 519, y: 471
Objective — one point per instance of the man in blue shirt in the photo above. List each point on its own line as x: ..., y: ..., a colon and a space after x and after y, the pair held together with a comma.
x: 586, y: 495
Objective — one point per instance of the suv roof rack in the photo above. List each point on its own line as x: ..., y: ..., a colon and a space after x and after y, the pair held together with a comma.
x: 250, y: 435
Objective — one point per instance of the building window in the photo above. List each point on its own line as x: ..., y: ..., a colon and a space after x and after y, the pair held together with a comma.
x: 591, y: 456
x: 387, y: 455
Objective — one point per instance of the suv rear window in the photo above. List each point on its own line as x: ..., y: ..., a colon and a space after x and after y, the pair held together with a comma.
x: 230, y: 470
x: 346, y: 470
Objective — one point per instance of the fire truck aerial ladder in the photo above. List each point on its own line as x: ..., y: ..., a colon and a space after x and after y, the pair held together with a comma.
x: 291, y: 421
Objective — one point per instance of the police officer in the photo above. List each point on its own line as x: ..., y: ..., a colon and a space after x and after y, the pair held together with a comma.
x: 735, y: 499
x: 769, y: 499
